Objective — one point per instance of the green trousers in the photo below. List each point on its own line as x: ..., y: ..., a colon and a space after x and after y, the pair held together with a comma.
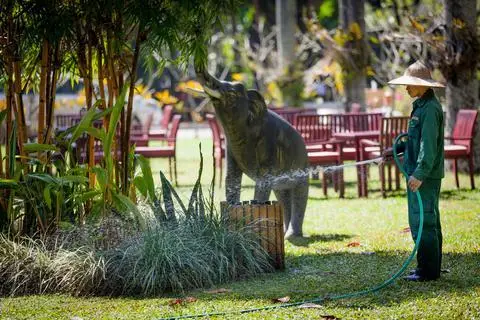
x: 429, y: 254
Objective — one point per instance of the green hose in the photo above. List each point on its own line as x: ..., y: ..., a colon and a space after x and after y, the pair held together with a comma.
x: 341, y: 296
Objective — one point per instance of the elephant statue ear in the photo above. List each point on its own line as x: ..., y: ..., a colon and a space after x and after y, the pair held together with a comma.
x: 256, y: 104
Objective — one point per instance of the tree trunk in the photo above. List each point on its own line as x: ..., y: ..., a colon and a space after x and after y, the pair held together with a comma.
x: 286, y: 16
x: 352, y: 12
x: 462, y: 85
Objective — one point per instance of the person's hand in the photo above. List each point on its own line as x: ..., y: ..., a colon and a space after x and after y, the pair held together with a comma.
x: 387, y: 154
x: 414, y: 183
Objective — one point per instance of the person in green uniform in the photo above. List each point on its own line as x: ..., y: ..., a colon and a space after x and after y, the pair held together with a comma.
x: 424, y: 164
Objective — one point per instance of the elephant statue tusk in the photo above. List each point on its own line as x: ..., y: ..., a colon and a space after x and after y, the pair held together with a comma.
x: 196, y: 92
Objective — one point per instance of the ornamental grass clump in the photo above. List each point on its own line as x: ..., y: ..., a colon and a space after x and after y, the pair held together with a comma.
x: 193, y: 253
x: 28, y: 266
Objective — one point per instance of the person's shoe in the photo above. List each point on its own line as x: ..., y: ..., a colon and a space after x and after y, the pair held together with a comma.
x: 413, y: 271
x: 414, y: 277
x: 417, y: 278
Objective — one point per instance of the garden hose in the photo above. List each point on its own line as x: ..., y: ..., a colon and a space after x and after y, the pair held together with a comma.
x: 341, y: 296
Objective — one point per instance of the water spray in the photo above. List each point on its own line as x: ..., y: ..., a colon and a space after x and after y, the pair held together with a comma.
x: 346, y: 295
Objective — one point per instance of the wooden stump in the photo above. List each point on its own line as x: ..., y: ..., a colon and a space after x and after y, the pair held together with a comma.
x: 266, y: 220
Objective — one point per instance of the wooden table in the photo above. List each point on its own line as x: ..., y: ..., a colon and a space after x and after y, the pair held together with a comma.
x: 356, y: 136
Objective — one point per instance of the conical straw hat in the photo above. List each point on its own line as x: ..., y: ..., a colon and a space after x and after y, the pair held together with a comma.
x: 417, y: 74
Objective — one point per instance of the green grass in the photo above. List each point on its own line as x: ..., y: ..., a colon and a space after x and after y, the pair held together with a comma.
x: 319, y: 264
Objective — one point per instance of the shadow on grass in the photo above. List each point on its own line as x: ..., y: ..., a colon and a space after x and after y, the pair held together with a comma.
x: 305, y: 241
x: 457, y: 194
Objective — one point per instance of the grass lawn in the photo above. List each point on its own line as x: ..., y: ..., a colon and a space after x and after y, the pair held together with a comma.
x: 320, y: 264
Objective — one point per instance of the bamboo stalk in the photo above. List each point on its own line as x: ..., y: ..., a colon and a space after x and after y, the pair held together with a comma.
x: 42, y: 94
x: 131, y: 93
x: 100, y: 81
x: 119, y: 166
x: 20, y: 113
x: 88, y: 96
x: 9, y: 102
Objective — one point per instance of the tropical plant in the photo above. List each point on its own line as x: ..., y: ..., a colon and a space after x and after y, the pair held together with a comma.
x: 181, y: 247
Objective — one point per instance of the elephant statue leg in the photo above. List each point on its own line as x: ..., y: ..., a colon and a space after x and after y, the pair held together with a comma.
x: 233, y: 181
x: 300, y: 197
x: 262, y: 192
x: 285, y: 198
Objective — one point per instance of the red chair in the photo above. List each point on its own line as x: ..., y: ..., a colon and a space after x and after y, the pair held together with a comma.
x: 362, y: 121
x: 218, y: 151
x: 161, y: 134
x: 391, y: 128
x: 318, y: 128
x: 64, y: 121
x: 322, y: 150
x: 167, y: 151
x: 289, y: 114
x: 461, y: 146
x: 139, y: 132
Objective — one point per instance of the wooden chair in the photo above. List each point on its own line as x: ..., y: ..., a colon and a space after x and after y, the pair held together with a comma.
x: 289, y: 114
x: 218, y: 150
x: 391, y: 128
x: 161, y: 133
x: 64, y: 121
x: 139, y: 132
x: 322, y: 150
x: 316, y: 129
x: 361, y: 121
x: 167, y: 151
x: 461, y: 146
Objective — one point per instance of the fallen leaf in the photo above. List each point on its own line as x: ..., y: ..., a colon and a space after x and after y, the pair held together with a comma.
x: 353, y: 244
x: 282, y: 300
x: 179, y: 301
x: 405, y: 230
x: 310, y: 305
x: 220, y: 290
x: 329, y: 317
x: 175, y: 302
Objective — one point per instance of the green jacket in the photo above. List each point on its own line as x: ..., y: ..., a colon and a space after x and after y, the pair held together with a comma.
x: 424, y: 158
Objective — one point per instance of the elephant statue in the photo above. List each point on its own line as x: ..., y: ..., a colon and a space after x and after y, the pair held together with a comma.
x: 261, y: 145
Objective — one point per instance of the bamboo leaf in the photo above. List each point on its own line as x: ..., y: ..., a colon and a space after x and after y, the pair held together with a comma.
x: 101, y: 175
x: 147, y: 176
x: 72, y: 179
x: 35, y: 147
x: 43, y: 177
x: 12, y: 145
x: 123, y: 202
x: 97, y: 133
x: 8, y: 184
x: 141, y: 185
x: 115, y: 116
x: 83, y: 125
x: 47, y: 197
x: 89, y: 195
